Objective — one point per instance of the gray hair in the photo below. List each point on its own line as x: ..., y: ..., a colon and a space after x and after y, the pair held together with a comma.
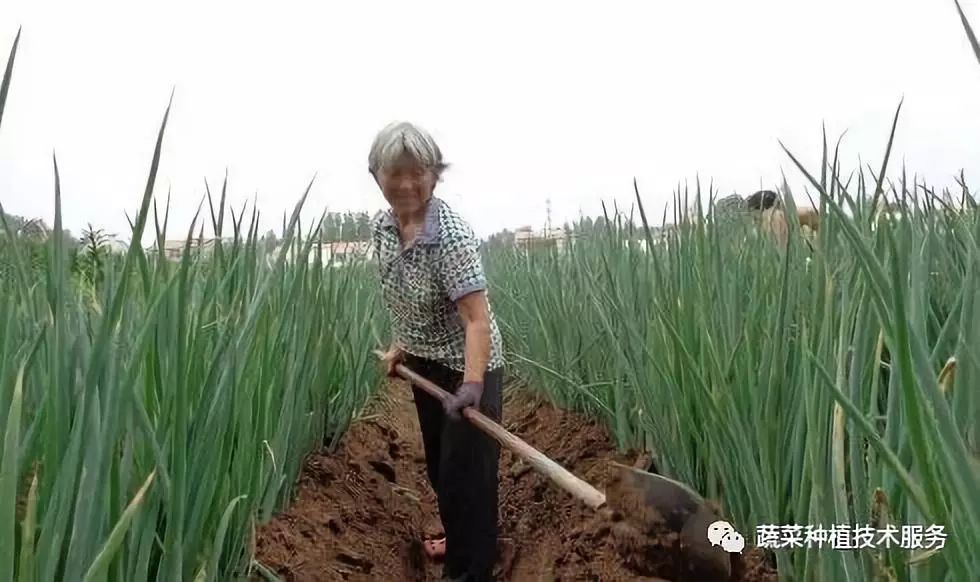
x: 399, y: 138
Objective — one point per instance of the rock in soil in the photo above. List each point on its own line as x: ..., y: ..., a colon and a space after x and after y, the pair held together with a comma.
x: 360, y: 513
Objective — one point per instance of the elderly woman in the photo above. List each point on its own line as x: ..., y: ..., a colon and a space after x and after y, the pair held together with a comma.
x: 435, y: 290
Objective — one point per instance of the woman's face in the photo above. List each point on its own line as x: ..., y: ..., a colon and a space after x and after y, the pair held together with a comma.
x: 407, y: 185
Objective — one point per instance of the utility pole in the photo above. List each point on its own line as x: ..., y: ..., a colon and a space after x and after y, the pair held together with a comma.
x: 548, y: 208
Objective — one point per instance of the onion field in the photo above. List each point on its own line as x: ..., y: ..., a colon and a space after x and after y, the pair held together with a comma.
x: 832, y: 382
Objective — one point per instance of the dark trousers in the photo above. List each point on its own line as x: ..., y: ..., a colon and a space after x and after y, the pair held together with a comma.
x: 462, y: 463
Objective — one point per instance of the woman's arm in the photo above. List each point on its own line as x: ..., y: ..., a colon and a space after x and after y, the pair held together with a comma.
x: 475, y: 311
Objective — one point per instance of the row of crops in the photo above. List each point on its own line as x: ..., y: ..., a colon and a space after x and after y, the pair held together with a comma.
x: 833, y: 382
x: 151, y: 417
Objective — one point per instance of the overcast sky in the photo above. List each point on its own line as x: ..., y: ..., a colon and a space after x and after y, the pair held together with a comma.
x: 529, y: 100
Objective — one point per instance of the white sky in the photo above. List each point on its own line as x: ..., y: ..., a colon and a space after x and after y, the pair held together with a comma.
x: 528, y: 100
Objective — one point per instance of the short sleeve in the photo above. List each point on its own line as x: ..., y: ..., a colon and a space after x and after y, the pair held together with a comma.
x: 460, y: 264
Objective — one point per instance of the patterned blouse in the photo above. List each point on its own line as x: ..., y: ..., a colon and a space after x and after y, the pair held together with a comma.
x: 421, y: 282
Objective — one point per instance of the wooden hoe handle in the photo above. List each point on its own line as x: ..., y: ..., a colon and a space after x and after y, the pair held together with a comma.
x: 580, y: 489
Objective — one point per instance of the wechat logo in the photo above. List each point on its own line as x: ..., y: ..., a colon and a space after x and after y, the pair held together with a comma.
x: 721, y: 533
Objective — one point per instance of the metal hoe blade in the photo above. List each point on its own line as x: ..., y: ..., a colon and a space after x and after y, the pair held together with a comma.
x: 649, y: 500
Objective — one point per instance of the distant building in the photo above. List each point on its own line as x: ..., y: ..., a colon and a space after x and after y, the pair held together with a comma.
x: 117, y: 246
x: 639, y: 244
x: 888, y: 211
x: 333, y: 254
x: 343, y: 252
x: 658, y: 234
x: 526, y: 238
x: 174, y: 249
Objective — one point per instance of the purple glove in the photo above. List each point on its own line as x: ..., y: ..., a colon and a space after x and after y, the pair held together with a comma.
x: 468, y: 394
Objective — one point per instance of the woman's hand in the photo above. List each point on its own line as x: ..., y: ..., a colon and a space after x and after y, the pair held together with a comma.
x: 392, y: 358
x: 468, y: 394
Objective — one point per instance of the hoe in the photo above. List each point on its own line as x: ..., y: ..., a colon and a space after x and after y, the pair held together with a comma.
x: 640, y: 497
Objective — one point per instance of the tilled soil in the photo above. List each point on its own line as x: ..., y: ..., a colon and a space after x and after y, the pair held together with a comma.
x: 360, y: 513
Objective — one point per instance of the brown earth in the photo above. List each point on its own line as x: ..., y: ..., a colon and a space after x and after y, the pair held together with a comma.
x: 360, y: 513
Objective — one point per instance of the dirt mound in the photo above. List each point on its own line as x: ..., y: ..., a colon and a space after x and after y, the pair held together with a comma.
x: 361, y: 512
